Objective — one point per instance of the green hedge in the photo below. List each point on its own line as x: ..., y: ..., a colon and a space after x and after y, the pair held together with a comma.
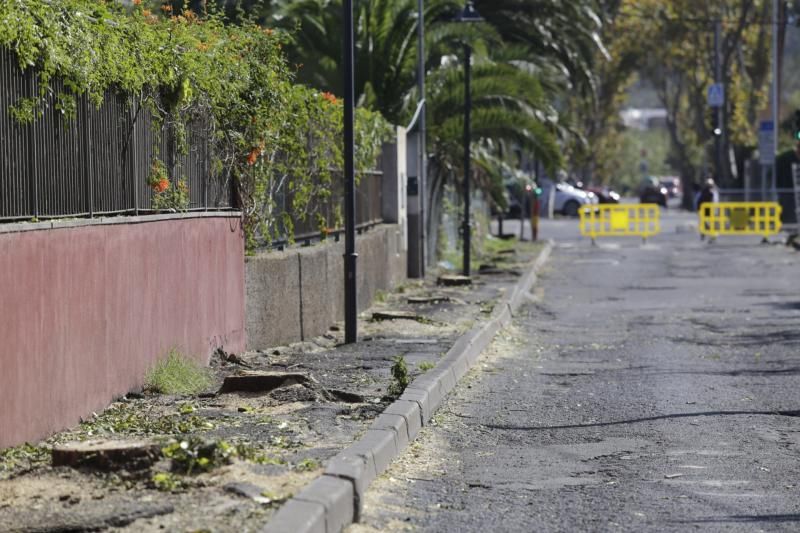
x: 266, y: 132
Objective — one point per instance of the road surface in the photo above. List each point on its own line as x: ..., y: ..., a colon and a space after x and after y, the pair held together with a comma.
x: 644, y: 388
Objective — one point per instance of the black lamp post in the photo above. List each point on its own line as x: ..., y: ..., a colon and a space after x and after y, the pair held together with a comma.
x: 350, y: 255
x: 468, y: 14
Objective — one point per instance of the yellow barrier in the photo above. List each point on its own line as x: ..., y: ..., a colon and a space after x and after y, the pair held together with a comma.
x: 740, y: 218
x: 620, y: 220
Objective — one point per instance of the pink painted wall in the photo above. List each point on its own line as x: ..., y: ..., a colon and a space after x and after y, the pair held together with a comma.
x: 86, y: 310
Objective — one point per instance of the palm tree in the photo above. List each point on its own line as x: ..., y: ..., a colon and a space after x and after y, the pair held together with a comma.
x: 386, y: 47
x: 515, y: 82
x: 511, y: 111
x: 561, y: 37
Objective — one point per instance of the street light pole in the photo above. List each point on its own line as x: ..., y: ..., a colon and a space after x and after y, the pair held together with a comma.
x: 422, y: 171
x: 468, y: 14
x: 467, y: 233
x: 775, y: 90
x: 350, y: 256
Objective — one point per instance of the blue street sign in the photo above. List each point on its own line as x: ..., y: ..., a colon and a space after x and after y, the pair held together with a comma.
x: 716, y: 95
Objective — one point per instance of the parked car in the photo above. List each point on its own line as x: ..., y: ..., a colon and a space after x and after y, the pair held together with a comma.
x: 652, y: 192
x: 568, y: 199
x: 604, y: 195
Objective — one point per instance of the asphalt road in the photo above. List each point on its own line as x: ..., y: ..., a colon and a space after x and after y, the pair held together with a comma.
x: 644, y: 388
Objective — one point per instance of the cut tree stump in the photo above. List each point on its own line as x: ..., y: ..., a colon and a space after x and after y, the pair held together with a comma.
x: 450, y: 280
x: 395, y: 315
x: 428, y: 299
x: 490, y: 270
x: 264, y: 381
x: 107, y: 454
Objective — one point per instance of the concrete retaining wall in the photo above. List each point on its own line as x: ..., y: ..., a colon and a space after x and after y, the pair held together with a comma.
x: 88, y: 306
x: 297, y: 294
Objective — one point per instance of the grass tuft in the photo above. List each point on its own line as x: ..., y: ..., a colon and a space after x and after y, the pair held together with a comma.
x: 400, y: 374
x: 177, y: 375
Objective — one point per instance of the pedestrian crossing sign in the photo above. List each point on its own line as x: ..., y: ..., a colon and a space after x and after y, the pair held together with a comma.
x: 716, y: 95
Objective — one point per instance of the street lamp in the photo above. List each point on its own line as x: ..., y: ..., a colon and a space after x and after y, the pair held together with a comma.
x: 468, y: 14
x: 350, y: 255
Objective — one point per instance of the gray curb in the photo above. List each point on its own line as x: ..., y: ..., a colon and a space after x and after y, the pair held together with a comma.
x: 335, y: 499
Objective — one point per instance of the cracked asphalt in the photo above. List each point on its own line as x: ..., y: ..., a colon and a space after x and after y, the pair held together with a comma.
x: 644, y: 388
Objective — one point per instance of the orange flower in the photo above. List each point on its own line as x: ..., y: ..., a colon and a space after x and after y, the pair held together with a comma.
x: 253, y: 157
x: 146, y: 12
x: 161, y: 185
x: 137, y: 2
x: 166, y: 8
x: 330, y: 98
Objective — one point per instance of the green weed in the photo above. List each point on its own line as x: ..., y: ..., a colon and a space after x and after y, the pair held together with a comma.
x: 167, y: 482
x: 177, y: 374
x: 307, y: 465
x: 125, y: 420
x: 198, y: 455
x: 424, y: 366
x: 25, y: 456
x: 400, y: 375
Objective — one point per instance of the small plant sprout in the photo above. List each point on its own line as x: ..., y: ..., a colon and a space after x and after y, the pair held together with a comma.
x: 400, y: 374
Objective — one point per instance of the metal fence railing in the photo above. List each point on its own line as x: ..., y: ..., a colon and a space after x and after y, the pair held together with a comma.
x: 94, y: 163
x: 97, y: 162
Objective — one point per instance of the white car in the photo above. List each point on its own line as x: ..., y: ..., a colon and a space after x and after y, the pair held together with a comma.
x: 568, y: 199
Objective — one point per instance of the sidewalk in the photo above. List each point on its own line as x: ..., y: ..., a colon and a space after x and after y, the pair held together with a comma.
x: 249, y: 451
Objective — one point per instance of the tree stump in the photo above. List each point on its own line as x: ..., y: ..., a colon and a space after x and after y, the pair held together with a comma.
x: 107, y: 455
x: 264, y: 382
x: 450, y: 280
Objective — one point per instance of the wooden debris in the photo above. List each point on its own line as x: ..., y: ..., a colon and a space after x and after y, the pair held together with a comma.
x: 107, y: 454
x: 433, y: 299
x: 395, y: 315
x: 489, y: 270
x: 263, y: 381
x: 452, y: 280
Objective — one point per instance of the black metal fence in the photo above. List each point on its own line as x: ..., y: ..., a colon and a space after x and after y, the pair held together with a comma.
x: 97, y: 162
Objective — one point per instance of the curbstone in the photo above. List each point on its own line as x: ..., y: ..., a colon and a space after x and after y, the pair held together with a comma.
x: 428, y: 395
x: 298, y: 517
x: 412, y: 414
x: 335, y: 499
x: 446, y: 379
x: 462, y: 344
x: 396, y: 423
x: 473, y: 352
x: 361, y: 451
x: 457, y: 363
x: 433, y: 384
x: 421, y: 398
x: 382, y: 445
x: 488, y: 333
x: 336, y: 495
x: 357, y: 470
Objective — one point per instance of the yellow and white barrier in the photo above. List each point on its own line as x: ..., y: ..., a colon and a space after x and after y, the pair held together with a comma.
x: 740, y: 218
x: 620, y: 220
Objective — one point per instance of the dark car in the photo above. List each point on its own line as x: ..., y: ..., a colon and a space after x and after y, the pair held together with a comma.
x: 673, y: 186
x: 604, y: 195
x: 652, y: 192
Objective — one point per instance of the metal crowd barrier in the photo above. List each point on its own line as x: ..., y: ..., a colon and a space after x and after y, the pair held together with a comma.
x: 740, y: 218
x: 620, y: 220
